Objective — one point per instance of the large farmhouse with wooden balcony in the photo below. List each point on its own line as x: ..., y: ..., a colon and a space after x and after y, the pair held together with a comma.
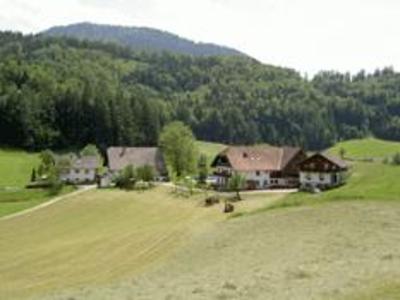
x: 322, y: 171
x: 264, y: 167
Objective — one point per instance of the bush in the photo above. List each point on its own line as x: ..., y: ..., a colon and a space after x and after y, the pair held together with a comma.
x: 396, y: 159
x: 145, y: 173
x: 54, y: 182
x: 127, y: 178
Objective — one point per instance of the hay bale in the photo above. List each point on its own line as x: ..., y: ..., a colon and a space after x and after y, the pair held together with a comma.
x: 210, y: 201
x: 229, y: 208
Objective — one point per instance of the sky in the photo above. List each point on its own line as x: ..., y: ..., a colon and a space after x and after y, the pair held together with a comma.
x: 307, y: 35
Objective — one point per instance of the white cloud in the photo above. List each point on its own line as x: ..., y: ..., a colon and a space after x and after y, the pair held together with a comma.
x: 308, y: 35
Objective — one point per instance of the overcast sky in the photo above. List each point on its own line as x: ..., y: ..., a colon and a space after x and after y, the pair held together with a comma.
x: 308, y: 35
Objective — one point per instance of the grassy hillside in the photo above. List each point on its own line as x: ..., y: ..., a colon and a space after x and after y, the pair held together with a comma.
x: 15, y: 171
x: 210, y: 149
x: 97, y: 238
x: 367, y: 148
x: 335, y: 251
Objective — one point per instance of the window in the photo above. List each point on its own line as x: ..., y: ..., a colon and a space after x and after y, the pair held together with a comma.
x: 77, y: 171
x: 258, y: 173
x: 308, y: 176
x: 87, y: 171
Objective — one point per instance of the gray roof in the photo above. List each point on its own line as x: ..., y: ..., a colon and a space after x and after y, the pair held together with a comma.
x: 121, y: 157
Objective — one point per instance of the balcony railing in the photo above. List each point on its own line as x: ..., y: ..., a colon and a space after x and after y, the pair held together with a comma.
x: 222, y: 173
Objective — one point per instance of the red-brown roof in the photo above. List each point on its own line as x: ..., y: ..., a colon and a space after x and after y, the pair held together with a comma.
x: 258, y: 158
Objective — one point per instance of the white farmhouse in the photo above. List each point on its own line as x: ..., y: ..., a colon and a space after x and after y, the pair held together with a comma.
x: 81, y: 170
x: 264, y: 167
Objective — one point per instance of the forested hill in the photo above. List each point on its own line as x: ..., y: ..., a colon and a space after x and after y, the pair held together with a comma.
x: 62, y: 93
x: 140, y: 39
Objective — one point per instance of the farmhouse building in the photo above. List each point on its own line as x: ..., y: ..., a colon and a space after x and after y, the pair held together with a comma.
x: 264, y: 167
x: 121, y: 157
x: 81, y: 170
x: 322, y: 171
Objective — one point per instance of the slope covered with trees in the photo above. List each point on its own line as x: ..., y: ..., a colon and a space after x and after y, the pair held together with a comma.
x: 59, y: 92
x: 139, y: 39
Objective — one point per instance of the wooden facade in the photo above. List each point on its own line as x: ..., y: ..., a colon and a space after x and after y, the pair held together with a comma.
x: 322, y: 171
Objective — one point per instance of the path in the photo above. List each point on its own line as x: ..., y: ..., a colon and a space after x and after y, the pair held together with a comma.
x: 50, y: 202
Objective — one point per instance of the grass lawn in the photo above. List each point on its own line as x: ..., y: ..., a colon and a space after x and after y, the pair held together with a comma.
x: 16, y: 167
x: 15, y: 171
x: 367, y: 148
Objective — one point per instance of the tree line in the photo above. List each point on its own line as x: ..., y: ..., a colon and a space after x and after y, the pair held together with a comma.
x: 63, y: 93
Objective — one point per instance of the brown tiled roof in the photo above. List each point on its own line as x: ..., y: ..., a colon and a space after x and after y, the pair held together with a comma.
x: 333, y: 159
x: 121, y: 157
x: 259, y: 158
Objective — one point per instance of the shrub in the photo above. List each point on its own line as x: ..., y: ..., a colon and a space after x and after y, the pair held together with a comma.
x: 54, y: 182
x: 127, y: 178
x: 145, y: 173
x: 396, y: 159
x: 236, y: 183
x: 202, y: 169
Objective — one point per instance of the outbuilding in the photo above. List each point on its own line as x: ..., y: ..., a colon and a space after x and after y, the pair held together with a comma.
x: 322, y: 171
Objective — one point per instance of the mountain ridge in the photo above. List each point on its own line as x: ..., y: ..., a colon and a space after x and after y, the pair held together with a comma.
x: 141, y: 39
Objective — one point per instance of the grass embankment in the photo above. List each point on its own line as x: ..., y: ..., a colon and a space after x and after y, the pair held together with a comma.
x: 15, y: 171
x: 367, y: 148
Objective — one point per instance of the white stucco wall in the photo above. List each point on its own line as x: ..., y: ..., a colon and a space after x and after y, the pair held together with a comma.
x: 262, y: 178
x: 79, y: 177
x: 310, y: 178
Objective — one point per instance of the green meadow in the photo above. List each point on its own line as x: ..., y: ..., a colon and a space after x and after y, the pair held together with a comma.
x: 15, y: 172
x: 367, y: 148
